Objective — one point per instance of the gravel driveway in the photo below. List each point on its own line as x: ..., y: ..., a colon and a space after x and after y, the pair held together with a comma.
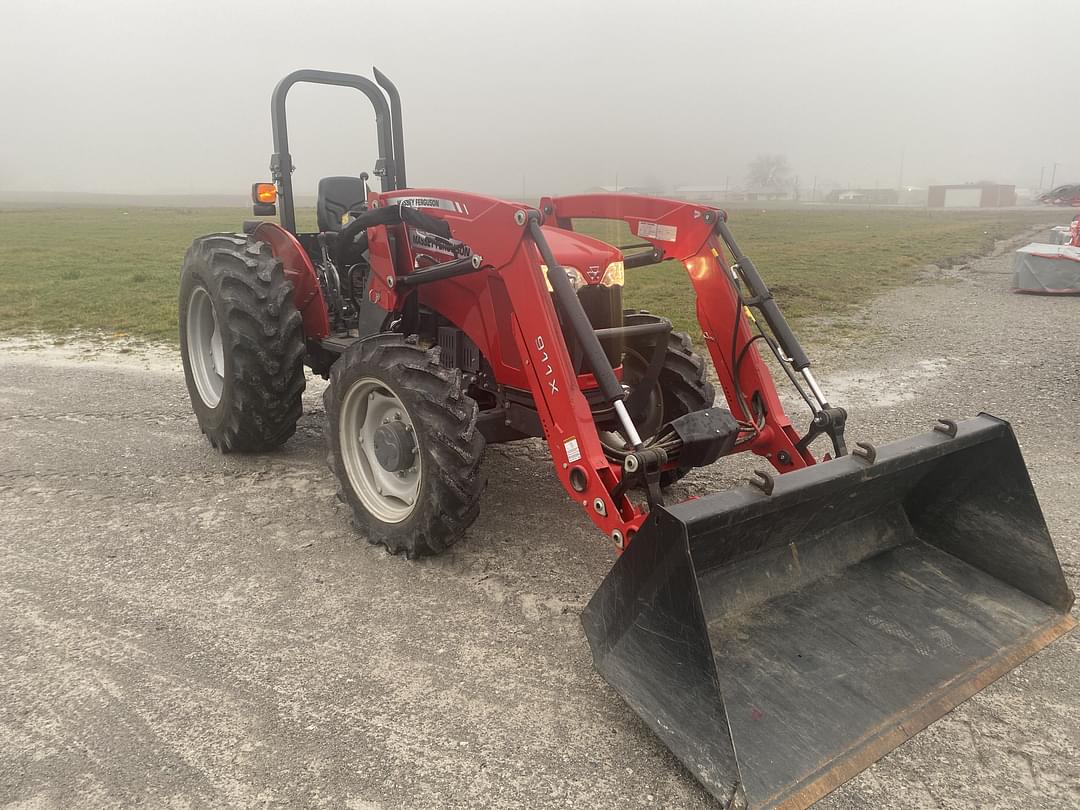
x: 182, y: 629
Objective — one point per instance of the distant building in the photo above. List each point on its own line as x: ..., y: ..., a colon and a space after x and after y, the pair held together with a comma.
x: 774, y: 194
x: 713, y: 194
x: 911, y: 195
x: 864, y: 196
x: 971, y: 195
x: 703, y: 193
x: 620, y: 190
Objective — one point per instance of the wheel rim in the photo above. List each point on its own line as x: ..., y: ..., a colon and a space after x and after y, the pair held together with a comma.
x: 388, y: 496
x: 205, y: 353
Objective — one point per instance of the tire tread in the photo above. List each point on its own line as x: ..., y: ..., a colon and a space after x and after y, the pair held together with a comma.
x: 264, y: 338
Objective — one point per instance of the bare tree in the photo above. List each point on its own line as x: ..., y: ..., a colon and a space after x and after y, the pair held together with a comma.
x: 769, y: 172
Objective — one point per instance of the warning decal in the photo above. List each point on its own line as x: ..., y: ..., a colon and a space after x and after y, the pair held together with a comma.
x: 653, y: 230
x: 573, y: 452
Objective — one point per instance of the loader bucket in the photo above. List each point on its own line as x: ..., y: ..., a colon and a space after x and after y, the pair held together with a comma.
x: 779, y: 644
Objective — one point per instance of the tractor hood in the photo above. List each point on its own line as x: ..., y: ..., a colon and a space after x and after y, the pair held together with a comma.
x: 590, y: 257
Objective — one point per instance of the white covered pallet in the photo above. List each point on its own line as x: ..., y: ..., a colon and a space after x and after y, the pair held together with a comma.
x: 1047, y: 269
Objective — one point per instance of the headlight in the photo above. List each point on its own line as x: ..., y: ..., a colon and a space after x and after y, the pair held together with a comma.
x: 577, y: 281
x: 614, y: 275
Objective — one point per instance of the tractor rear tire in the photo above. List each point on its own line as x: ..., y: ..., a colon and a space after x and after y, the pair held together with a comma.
x: 242, y: 343
x: 420, y: 489
x: 684, y: 386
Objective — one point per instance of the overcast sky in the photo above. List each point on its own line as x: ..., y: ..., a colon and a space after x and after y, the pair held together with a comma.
x: 170, y: 96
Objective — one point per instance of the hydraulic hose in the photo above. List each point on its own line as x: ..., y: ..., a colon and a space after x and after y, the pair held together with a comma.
x: 763, y: 300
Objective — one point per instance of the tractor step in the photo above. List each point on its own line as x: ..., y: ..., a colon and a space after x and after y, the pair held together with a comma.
x: 337, y: 344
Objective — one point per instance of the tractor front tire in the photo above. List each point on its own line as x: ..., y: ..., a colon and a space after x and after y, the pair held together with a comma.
x: 404, y: 444
x: 683, y: 385
x: 242, y: 343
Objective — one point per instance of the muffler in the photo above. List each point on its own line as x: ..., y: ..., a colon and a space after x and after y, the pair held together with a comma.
x: 780, y: 643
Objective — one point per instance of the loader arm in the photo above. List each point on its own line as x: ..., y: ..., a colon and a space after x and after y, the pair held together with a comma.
x: 510, y: 242
x: 499, y: 233
x: 688, y: 233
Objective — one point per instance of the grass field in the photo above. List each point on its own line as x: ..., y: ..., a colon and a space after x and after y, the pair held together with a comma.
x: 117, y: 271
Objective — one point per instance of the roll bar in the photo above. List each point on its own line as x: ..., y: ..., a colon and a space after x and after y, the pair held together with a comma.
x: 390, y: 167
x: 395, y: 121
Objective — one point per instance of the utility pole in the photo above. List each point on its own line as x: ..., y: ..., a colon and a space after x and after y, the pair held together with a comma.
x: 1053, y: 174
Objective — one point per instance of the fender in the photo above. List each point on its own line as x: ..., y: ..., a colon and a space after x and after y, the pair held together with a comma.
x: 307, y: 294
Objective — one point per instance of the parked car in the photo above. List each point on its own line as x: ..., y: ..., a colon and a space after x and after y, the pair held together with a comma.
x: 1062, y: 195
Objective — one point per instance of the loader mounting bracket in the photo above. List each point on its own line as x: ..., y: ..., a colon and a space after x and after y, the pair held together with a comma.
x: 831, y: 422
x: 642, y: 468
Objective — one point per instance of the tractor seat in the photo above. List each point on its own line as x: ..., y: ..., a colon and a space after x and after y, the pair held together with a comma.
x: 337, y: 196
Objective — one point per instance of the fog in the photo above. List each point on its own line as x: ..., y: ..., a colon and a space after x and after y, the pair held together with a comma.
x: 506, y: 98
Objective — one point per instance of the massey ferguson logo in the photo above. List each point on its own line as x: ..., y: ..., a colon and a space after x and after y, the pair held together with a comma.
x: 438, y: 244
x: 421, y: 202
x: 545, y: 365
x: 593, y: 273
x: 432, y: 202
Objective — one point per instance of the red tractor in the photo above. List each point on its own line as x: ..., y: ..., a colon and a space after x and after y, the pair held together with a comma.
x: 446, y: 321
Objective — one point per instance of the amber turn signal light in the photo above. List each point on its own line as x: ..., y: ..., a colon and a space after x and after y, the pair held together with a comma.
x: 265, y: 193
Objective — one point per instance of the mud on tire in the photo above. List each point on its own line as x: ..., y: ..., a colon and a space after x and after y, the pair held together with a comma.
x: 683, y: 382
x: 448, y: 443
x: 253, y: 362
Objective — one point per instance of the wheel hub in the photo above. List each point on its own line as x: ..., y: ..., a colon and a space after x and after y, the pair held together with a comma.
x: 379, y: 448
x: 395, y: 446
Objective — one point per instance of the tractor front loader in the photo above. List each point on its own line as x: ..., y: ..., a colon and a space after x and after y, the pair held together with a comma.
x: 778, y: 637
